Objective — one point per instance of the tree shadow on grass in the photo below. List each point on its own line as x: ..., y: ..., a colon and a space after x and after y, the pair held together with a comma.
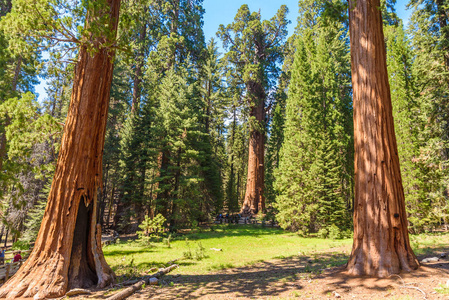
x: 285, y: 275
x: 290, y: 274
x: 261, y: 279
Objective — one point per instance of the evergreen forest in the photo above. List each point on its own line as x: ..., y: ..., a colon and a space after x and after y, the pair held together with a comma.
x: 256, y: 122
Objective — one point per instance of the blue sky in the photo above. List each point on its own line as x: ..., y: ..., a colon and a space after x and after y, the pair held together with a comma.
x: 223, y: 11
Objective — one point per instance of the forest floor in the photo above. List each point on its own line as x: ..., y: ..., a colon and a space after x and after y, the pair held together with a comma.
x: 268, y: 263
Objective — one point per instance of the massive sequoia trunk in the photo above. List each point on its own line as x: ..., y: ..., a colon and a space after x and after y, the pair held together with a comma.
x: 67, y: 253
x: 254, y: 198
x: 381, y: 243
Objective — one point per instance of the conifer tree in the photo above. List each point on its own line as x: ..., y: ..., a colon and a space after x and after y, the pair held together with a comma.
x: 409, y: 128
x: 277, y: 123
x: 381, y: 243
x: 428, y: 31
x: 255, y: 47
x: 313, y: 180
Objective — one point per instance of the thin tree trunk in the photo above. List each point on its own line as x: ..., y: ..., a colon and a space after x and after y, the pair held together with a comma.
x: 208, y: 105
x: 443, y: 20
x: 139, y: 65
x: 1, y: 233
x: 17, y: 69
x: 111, y: 201
x: 6, y: 237
x: 163, y: 198
x: 176, y: 192
x: 67, y: 253
x: 103, y: 198
x: 173, y: 31
x: 381, y: 244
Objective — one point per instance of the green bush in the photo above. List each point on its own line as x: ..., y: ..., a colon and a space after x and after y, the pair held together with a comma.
x: 323, y: 233
x: 153, y: 226
x: 334, y: 232
x: 21, y: 245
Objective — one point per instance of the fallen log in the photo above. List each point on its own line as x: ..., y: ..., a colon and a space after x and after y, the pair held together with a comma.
x: 75, y: 292
x: 147, y: 280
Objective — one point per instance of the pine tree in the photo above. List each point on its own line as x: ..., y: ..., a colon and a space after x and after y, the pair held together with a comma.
x: 276, y: 126
x: 313, y: 180
x: 428, y: 35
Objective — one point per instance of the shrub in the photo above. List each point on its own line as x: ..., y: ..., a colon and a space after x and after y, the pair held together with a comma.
x: 21, y: 245
x: 323, y: 233
x: 153, y: 226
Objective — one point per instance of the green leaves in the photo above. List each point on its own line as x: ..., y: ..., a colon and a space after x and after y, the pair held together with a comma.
x: 26, y: 127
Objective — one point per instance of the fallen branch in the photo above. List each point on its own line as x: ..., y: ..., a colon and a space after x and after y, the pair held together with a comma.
x: 75, y: 292
x: 173, y: 261
x: 215, y: 249
x: 148, y: 280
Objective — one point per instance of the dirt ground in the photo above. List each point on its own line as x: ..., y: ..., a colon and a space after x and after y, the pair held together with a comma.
x: 283, y: 279
x: 300, y: 278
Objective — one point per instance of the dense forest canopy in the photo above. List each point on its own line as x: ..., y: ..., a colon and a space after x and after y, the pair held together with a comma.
x: 257, y: 121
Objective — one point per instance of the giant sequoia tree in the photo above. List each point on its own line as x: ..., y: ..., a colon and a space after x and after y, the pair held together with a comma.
x: 67, y: 253
x: 255, y: 49
x: 381, y: 243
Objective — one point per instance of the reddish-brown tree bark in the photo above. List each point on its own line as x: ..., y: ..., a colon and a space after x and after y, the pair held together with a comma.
x: 67, y: 252
x: 381, y: 243
x: 254, y: 199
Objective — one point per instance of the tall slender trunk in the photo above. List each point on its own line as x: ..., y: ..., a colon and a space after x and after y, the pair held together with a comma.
x: 17, y: 70
x: 67, y: 253
x: 381, y: 244
x: 6, y: 237
x: 103, y: 198
x: 173, y: 31
x: 254, y: 198
x: 111, y: 202
x: 443, y: 23
x: 1, y: 233
x: 175, y: 192
x: 140, y: 60
x: 162, y: 200
x: 208, y: 106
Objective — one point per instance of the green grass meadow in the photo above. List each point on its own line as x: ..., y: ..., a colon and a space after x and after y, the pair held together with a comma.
x: 241, y: 246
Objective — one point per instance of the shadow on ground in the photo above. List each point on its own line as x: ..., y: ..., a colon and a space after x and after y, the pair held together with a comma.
x: 261, y: 279
x: 315, y: 276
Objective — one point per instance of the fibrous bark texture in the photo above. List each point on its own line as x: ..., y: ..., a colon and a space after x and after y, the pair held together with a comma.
x: 254, y: 198
x: 67, y: 252
x: 381, y: 243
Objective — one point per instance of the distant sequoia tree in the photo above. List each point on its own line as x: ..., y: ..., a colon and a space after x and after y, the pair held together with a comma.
x: 381, y: 243
x: 67, y: 253
x: 255, y: 49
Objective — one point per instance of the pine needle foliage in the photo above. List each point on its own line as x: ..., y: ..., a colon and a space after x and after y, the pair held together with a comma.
x: 313, y: 180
